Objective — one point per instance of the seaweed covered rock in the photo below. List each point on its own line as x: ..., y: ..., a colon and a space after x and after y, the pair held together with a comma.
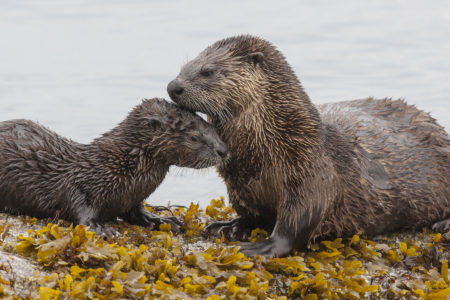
x: 65, y: 261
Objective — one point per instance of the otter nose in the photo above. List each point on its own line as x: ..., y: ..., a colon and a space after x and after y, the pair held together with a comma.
x: 222, y: 150
x: 174, y: 89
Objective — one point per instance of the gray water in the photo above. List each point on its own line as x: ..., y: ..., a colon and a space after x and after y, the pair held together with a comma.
x: 79, y: 66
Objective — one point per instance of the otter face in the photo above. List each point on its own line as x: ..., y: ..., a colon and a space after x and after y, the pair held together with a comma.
x: 199, y: 145
x: 179, y: 136
x: 221, y: 81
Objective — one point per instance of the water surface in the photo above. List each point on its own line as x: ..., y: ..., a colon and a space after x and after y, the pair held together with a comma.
x: 79, y: 66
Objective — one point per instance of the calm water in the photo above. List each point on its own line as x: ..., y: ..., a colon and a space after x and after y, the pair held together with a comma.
x: 79, y: 66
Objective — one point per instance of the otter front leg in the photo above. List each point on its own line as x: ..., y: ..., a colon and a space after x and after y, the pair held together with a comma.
x: 140, y: 216
x: 283, y: 239
x: 296, y: 221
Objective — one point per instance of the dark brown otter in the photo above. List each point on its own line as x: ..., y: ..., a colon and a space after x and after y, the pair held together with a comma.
x: 364, y: 166
x: 45, y: 175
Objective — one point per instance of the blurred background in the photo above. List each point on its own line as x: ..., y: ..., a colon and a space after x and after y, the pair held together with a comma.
x: 78, y: 67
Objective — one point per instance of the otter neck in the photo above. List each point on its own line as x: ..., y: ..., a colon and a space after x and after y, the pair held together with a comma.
x: 128, y: 154
x: 278, y: 118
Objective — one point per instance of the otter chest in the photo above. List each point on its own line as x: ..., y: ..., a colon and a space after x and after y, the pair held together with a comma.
x: 257, y: 193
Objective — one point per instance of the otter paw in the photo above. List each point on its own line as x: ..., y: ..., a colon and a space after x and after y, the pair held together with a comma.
x: 101, y: 230
x: 154, y: 221
x: 442, y: 226
x: 272, y: 247
x: 234, y: 230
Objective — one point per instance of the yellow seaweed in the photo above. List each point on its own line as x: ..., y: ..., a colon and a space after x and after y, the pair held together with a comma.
x: 145, y: 264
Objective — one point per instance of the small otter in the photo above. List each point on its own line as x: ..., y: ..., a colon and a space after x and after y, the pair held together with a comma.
x: 45, y: 175
x: 365, y: 166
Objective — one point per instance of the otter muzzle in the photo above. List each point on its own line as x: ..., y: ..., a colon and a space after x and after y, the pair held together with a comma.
x: 174, y: 89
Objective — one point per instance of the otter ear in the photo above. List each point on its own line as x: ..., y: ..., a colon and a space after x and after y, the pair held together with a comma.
x: 256, y: 58
x: 154, y: 121
x: 176, y: 124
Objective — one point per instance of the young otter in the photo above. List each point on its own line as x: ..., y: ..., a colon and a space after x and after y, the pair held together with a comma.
x: 365, y: 166
x: 45, y: 175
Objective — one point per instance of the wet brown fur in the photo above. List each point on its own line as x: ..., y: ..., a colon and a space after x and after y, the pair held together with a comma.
x: 45, y: 175
x: 365, y: 166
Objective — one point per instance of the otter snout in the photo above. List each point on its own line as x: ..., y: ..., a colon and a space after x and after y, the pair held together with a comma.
x: 216, y: 145
x: 175, y: 89
x: 221, y: 149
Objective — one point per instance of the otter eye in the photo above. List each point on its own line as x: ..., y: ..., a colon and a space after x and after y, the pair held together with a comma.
x: 207, y: 72
x: 194, y: 138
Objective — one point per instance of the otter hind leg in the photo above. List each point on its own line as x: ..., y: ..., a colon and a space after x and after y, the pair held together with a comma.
x: 442, y: 226
x: 235, y: 230
x: 140, y: 216
x: 100, y: 228
x: 88, y: 216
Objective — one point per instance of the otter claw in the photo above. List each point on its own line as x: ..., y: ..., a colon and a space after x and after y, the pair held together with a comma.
x: 171, y: 220
x: 271, y: 247
x: 110, y: 231
x: 175, y: 224
x: 142, y: 217
x: 102, y: 231
x: 155, y: 221
x: 442, y: 226
x: 233, y: 230
x: 238, y: 234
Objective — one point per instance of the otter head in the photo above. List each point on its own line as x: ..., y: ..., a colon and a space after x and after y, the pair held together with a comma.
x: 178, y: 136
x: 232, y: 75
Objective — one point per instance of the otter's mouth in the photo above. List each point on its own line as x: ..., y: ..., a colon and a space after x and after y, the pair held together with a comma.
x: 198, y: 113
x: 189, y: 107
x: 206, y: 163
x: 196, y: 102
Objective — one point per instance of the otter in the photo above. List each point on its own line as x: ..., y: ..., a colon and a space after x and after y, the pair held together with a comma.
x: 304, y: 172
x: 45, y: 175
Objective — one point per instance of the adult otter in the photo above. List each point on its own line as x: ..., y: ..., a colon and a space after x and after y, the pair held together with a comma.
x: 45, y: 175
x: 365, y: 166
